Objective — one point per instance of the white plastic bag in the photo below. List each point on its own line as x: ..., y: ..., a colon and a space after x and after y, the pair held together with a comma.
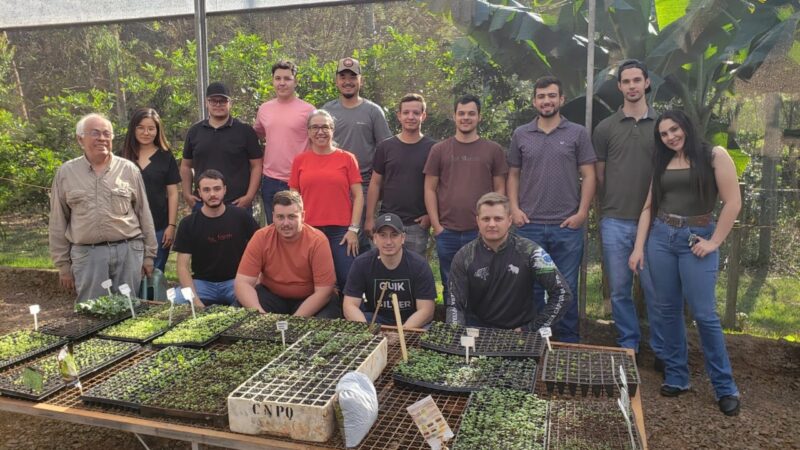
x: 358, y: 407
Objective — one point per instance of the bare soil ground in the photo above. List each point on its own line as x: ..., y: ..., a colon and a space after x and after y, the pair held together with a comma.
x: 767, y: 372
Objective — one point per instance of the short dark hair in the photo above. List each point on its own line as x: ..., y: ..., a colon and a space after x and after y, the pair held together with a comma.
x: 210, y: 174
x: 631, y: 64
x: 466, y: 99
x: 411, y: 98
x: 546, y: 81
x: 287, y: 198
x: 285, y: 64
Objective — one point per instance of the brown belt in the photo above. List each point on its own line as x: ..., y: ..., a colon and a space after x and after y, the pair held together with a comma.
x: 684, y: 221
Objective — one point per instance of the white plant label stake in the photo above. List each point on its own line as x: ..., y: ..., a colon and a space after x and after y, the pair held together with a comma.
x: 107, y: 286
x: 467, y: 342
x: 125, y: 290
x: 35, y: 311
x: 624, y: 401
x: 546, y: 332
x: 282, y: 327
x: 474, y: 332
x: 431, y: 422
x: 189, y: 295
x: 171, y: 298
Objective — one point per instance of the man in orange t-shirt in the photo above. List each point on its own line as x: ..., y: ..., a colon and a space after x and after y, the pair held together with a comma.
x: 294, y: 263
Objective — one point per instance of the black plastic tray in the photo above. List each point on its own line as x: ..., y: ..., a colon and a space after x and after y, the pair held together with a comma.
x: 434, y: 386
x: 534, y: 444
x: 198, y: 345
x: 66, y: 327
x: 479, y: 385
x: 32, y: 353
x: 573, y: 386
x: 48, y: 392
x: 235, y: 332
x: 215, y: 419
x: 146, y: 339
x: 533, y: 346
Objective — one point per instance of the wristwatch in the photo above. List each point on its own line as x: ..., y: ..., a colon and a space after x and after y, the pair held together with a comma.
x: 354, y: 228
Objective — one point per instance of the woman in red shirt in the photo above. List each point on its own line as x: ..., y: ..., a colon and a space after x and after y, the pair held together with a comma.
x: 329, y: 181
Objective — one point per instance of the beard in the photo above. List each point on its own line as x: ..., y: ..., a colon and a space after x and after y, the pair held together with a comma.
x: 552, y: 113
x: 349, y: 96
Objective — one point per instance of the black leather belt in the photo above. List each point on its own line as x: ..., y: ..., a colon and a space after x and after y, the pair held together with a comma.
x: 110, y: 243
x: 684, y: 221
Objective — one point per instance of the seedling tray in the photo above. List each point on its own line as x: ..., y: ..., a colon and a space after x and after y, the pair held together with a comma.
x: 451, y: 373
x: 293, y: 395
x: 589, y: 425
x: 52, y: 342
x: 56, y: 383
x: 230, y: 314
x: 179, y: 315
x: 77, y: 326
x: 262, y: 327
x: 578, y: 372
x: 505, y: 419
x: 129, y: 387
x: 446, y: 338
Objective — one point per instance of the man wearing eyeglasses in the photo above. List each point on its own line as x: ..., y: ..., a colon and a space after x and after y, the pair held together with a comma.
x: 222, y: 143
x: 100, y: 223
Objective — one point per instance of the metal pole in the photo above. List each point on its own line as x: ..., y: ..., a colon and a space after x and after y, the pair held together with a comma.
x: 731, y: 296
x: 201, y: 38
x: 583, y: 287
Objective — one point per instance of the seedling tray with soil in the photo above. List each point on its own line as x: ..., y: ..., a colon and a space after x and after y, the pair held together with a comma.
x: 77, y: 326
x: 581, y: 371
x: 90, y: 356
x: 137, y: 384
x: 204, y: 329
x: 443, y: 372
x: 446, y: 337
x: 293, y: 395
x: 21, y: 345
x: 504, y: 419
x: 589, y: 425
x: 203, y: 393
x: 146, y: 326
x: 263, y: 327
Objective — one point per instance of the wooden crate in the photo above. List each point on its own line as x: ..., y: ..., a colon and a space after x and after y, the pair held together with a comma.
x: 298, y: 402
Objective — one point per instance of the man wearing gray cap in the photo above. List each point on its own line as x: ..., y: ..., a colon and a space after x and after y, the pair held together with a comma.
x: 385, y: 270
x: 360, y: 123
x: 222, y: 143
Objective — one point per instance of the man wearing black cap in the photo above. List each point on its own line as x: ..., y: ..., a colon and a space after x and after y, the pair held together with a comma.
x: 386, y: 270
x: 225, y: 144
x: 360, y: 123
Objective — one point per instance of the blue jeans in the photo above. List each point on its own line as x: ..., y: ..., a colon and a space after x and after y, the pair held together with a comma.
x: 163, y: 253
x: 448, y: 243
x: 211, y: 293
x: 341, y: 260
x: 618, y: 237
x: 565, y: 246
x: 677, y: 275
x: 269, y: 187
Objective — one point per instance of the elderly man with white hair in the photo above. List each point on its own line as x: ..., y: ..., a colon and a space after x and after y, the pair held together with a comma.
x: 100, y: 223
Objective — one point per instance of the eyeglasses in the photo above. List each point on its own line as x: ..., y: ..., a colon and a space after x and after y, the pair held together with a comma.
x: 97, y: 133
x: 315, y: 128
x: 219, y: 101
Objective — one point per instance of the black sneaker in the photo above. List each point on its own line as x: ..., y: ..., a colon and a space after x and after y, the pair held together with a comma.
x: 729, y: 405
x: 672, y: 391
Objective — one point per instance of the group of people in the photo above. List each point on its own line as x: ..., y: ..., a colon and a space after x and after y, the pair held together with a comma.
x: 350, y: 209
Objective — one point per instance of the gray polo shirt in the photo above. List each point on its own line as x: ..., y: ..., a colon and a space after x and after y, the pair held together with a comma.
x: 626, y: 145
x: 358, y: 130
x: 549, y: 186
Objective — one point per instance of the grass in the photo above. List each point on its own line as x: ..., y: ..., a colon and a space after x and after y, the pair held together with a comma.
x: 767, y: 306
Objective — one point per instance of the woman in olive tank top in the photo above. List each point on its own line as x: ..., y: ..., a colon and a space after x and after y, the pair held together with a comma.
x: 677, y: 241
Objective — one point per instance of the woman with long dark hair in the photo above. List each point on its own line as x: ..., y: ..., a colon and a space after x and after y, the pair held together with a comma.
x: 681, y: 250
x: 146, y: 146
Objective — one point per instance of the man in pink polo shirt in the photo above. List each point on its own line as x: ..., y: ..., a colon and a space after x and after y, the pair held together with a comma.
x: 281, y: 122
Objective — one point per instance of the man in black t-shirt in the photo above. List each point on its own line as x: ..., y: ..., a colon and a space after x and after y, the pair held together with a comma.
x: 214, y: 239
x: 397, y: 178
x: 225, y: 144
x: 385, y: 270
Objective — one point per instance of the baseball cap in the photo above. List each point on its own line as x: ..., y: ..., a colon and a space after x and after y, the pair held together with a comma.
x: 389, y: 220
x: 217, y: 88
x: 350, y: 64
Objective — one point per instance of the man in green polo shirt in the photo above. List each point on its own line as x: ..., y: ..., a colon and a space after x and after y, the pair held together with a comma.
x: 624, y: 144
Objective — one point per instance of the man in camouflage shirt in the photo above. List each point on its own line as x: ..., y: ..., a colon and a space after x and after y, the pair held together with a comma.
x: 492, y: 277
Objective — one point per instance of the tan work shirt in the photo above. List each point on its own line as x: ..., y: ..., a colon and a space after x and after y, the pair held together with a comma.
x: 87, y: 208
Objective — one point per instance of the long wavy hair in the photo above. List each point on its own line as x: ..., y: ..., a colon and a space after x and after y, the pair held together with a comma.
x: 697, y: 151
x: 130, y: 149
